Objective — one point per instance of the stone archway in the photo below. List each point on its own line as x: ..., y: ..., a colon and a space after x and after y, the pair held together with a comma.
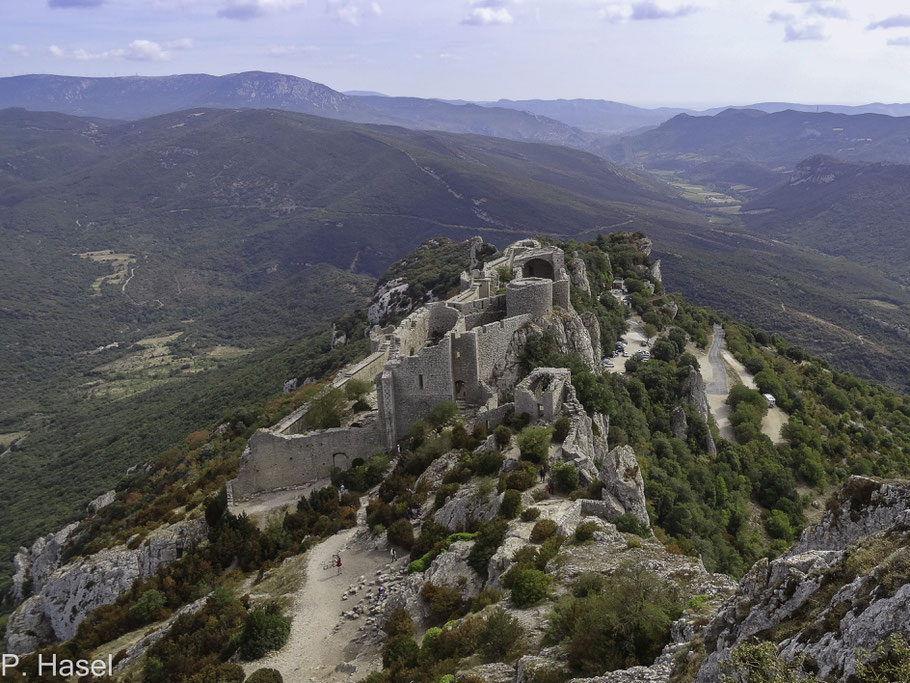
x: 340, y: 460
x: 537, y: 267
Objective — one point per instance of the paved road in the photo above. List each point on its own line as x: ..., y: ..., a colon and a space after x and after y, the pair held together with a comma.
x: 718, y: 383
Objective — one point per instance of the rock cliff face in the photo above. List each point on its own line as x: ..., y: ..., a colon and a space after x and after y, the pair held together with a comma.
x: 692, y: 388
x: 67, y: 594
x: 33, y: 565
x: 578, y: 274
x: 390, y: 300
x: 844, y: 586
x: 571, y: 336
x: 624, y: 488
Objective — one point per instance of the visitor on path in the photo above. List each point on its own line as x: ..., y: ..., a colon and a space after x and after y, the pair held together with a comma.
x: 341, y: 490
x: 338, y: 564
x: 393, y: 553
x: 380, y: 594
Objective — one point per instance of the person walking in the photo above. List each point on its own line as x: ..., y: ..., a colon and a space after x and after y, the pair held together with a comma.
x: 338, y: 564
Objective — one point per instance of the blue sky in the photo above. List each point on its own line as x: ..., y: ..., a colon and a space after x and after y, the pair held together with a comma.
x: 646, y: 52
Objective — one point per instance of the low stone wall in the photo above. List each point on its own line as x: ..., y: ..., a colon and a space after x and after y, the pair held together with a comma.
x: 276, y: 461
x: 491, y: 418
x: 366, y: 370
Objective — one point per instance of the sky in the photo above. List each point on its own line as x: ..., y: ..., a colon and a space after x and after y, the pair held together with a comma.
x: 644, y: 52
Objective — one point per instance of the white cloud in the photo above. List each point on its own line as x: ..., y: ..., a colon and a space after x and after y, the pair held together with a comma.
x: 55, y: 4
x: 137, y: 51
x: 776, y: 17
x: 794, y: 32
x: 488, y: 16
x: 243, y: 10
x: 644, y: 10
x: 353, y: 11
x: 827, y: 11
x: 895, y: 21
x: 17, y: 49
x: 902, y: 41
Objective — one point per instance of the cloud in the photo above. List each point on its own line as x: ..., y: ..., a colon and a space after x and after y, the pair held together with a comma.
x: 794, y: 32
x: 56, y: 4
x: 896, y: 21
x: 644, y: 10
x: 291, y: 50
x: 489, y: 13
x: 243, y: 10
x: 17, y: 49
x: 136, y: 51
x: 776, y: 17
x: 902, y: 41
x: 828, y: 11
x: 353, y: 11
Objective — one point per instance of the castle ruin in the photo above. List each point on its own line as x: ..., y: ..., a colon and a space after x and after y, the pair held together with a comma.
x: 449, y: 350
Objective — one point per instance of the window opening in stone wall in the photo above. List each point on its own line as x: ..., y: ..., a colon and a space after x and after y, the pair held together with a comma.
x: 420, y: 381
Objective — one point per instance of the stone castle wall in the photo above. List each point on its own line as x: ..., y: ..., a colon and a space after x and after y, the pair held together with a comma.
x: 276, y: 461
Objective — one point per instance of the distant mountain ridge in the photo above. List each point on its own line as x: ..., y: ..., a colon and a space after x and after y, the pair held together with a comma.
x: 138, y: 97
x: 775, y: 141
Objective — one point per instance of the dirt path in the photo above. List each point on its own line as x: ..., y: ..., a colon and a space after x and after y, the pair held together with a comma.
x: 320, y: 637
x: 718, y: 382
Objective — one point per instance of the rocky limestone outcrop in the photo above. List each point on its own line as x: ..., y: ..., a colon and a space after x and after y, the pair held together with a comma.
x: 678, y: 424
x: 480, y: 252
x: 33, y: 565
x: 102, y: 501
x: 570, y: 334
x: 843, y: 587
x: 624, y: 488
x: 451, y: 569
x: 136, y: 650
x: 654, y: 272
x: 692, y: 389
x: 465, y: 506
x: 73, y: 590
x: 582, y: 447
x: 390, y: 300
x: 589, y: 320
x: 578, y: 274
x: 28, y: 628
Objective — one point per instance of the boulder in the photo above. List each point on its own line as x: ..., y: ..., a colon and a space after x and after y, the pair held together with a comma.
x: 102, y: 501
x: 623, y: 484
x: 578, y: 274
x: 465, y: 506
x: 678, y: 424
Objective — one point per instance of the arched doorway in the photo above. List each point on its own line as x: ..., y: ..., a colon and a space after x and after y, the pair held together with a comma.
x: 340, y: 460
x: 537, y: 267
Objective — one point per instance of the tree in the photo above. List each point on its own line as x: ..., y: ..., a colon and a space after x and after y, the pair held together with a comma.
x: 147, y: 606
x: 326, y: 410
x: 510, y: 505
x: 264, y: 630
x: 565, y: 477
x: 442, y: 414
x: 534, y: 443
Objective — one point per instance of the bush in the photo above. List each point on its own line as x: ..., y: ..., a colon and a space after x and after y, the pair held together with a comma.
x: 503, y: 435
x: 500, y: 635
x: 485, y: 598
x: 442, y: 414
x: 565, y: 477
x: 510, y: 505
x: 542, y: 530
x: 147, y: 607
x: 357, y: 389
x: 561, y: 429
x: 530, y: 514
x: 489, y: 537
x: 630, y: 524
x: 778, y: 525
x: 522, y: 478
x: 529, y: 586
x: 401, y: 533
x: 398, y: 623
x: 264, y: 630
x: 487, y: 463
x: 326, y: 410
x: 400, y: 652
x: 534, y: 444
x: 265, y: 676
x: 444, y: 603
x: 587, y: 584
x: 585, y: 531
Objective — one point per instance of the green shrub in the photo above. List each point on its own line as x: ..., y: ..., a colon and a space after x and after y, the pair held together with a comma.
x: 400, y: 652
x: 147, y: 608
x: 326, y: 410
x: 548, y: 550
x: 585, y: 531
x: 443, y: 493
x: 265, y: 630
x: 357, y: 389
x: 565, y: 477
x: 500, y: 635
x: 530, y: 514
x: 488, y: 463
x: 444, y: 603
x: 265, y: 676
x: 489, y: 537
x: 398, y: 623
x: 534, y: 444
x: 630, y: 524
x: 588, y: 583
x: 561, y: 429
x: 401, y: 533
x: 529, y: 586
x: 778, y: 525
x: 543, y: 529
x: 510, y: 505
x: 442, y: 414
x: 502, y: 434
x: 485, y: 598
x: 522, y: 478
